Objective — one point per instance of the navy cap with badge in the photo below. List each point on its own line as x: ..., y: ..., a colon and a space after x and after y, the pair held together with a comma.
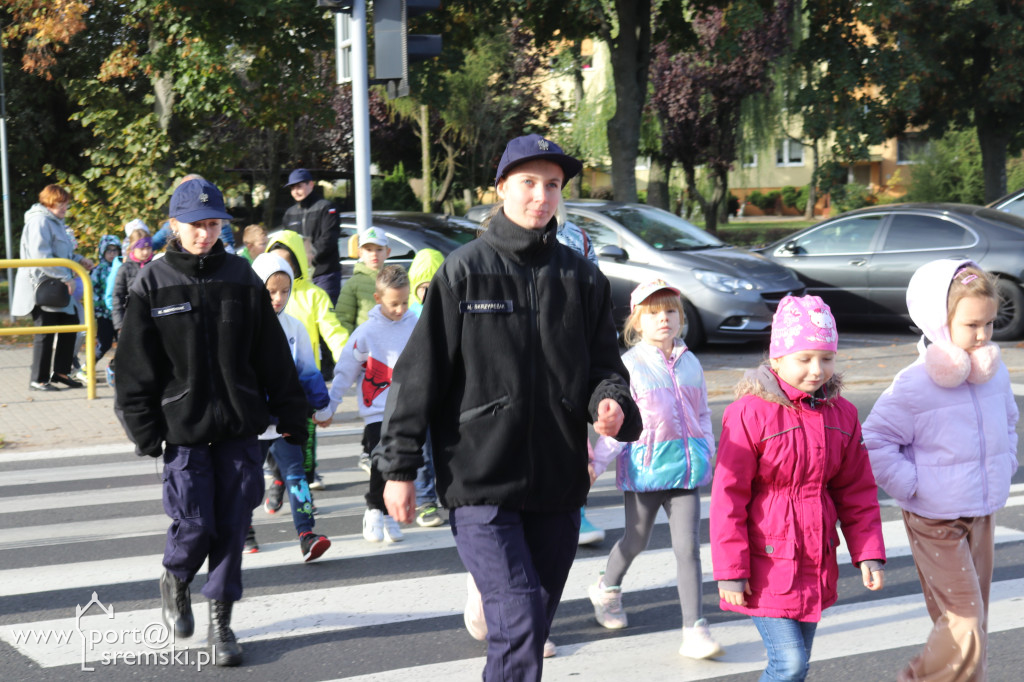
x: 197, y: 200
x: 298, y: 175
x: 533, y: 147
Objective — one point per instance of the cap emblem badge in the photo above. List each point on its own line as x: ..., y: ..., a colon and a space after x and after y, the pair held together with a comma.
x: 542, y: 145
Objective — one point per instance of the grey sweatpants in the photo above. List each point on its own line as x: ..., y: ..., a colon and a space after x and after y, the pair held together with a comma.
x: 683, y: 509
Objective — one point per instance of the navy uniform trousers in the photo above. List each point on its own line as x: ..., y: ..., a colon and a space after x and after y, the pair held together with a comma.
x: 209, y: 492
x: 520, y: 561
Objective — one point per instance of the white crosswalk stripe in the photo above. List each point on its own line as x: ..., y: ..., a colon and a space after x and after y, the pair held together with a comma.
x: 90, y: 525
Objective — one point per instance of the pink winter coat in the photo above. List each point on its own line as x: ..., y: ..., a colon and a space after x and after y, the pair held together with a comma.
x: 789, y: 467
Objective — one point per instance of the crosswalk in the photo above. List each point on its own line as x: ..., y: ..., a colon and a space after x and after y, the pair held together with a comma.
x: 81, y: 537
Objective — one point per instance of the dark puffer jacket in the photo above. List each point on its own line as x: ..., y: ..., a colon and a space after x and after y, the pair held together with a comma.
x: 201, y: 357
x: 514, y: 350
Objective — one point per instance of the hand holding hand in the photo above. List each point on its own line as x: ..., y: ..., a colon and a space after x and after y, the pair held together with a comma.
x: 609, y: 418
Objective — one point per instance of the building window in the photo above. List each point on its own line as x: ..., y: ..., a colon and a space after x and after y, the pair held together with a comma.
x: 750, y: 160
x: 789, y: 153
x: 910, y: 148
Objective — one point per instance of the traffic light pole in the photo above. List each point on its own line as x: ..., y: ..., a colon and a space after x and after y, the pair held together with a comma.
x: 360, y: 112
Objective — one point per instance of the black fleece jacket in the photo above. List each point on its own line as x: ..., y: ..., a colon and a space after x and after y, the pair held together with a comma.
x: 316, y: 219
x: 202, y: 357
x: 514, y: 349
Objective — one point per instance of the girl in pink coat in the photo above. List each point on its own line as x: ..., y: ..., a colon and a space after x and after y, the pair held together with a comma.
x: 790, y: 465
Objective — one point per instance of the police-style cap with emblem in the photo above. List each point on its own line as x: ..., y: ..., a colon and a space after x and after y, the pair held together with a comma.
x: 298, y: 175
x: 373, y: 236
x: 534, y: 147
x: 197, y: 200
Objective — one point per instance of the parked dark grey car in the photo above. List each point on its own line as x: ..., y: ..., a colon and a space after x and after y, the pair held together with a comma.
x: 861, y: 262
x: 729, y: 294
x: 1011, y: 203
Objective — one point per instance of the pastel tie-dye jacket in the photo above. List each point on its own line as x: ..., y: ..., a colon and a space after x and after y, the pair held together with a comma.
x: 676, y: 447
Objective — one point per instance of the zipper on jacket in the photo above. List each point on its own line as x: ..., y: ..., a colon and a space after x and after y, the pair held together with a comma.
x: 670, y: 365
x: 210, y: 368
x: 981, y: 444
x: 531, y: 292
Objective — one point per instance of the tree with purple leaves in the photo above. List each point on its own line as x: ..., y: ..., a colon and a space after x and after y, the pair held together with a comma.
x: 698, y: 92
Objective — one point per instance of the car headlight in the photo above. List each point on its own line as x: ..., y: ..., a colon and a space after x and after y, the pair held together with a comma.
x: 724, y: 283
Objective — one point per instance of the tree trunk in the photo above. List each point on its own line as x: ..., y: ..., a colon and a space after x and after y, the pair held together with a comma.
x: 690, y: 172
x: 812, y: 189
x: 993, y: 143
x: 425, y: 150
x: 657, y: 182
x: 163, y: 89
x: 723, y: 200
x: 630, y: 58
x: 445, y: 188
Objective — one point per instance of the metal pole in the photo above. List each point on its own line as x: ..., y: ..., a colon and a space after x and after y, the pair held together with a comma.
x: 360, y: 116
x: 6, y: 186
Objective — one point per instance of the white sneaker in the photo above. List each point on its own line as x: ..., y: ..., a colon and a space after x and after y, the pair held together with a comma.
x: 392, y: 533
x: 473, y: 615
x: 373, y: 525
x: 318, y: 483
x: 607, y: 603
x: 549, y: 648
x: 697, y: 642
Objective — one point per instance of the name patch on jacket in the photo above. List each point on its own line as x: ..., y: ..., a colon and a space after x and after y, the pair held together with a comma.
x: 171, y: 309
x: 485, y: 306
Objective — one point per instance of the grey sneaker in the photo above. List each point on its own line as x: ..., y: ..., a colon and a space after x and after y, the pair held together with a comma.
x: 364, y: 462
x: 427, y: 516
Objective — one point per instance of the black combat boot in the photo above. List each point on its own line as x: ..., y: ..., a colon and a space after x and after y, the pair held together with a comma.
x: 224, y: 648
x: 177, y: 605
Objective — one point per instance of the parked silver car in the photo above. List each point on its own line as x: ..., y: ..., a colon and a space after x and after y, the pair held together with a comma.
x: 729, y: 294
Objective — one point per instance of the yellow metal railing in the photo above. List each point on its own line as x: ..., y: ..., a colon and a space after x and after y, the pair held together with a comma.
x: 89, y: 327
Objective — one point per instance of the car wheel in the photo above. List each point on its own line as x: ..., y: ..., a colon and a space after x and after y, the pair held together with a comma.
x: 693, y: 331
x: 1009, y: 323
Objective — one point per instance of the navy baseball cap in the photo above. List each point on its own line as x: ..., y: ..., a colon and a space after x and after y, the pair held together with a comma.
x: 534, y: 147
x: 197, y: 200
x: 299, y: 175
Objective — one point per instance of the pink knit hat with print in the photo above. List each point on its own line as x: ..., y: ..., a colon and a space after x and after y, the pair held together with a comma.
x: 804, y: 323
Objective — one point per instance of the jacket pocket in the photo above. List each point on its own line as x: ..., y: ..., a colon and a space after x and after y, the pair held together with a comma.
x: 167, y: 400
x: 773, y: 564
x: 484, y: 410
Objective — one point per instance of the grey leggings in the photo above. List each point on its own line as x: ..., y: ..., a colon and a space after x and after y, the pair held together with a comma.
x: 683, y: 509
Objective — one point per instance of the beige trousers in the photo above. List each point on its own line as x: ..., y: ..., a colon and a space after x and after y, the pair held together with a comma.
x: 954, y: 562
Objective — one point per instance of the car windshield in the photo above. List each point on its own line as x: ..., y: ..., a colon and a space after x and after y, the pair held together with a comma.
x: 661, y: 229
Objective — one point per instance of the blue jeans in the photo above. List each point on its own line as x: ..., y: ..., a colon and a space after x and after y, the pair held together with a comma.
x: 788, y: 643
x: 289, y: 460
x: 426, y: 493
x: 520, y: 561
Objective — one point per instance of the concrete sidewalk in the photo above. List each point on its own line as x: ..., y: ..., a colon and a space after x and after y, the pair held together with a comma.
x: 53, y: 420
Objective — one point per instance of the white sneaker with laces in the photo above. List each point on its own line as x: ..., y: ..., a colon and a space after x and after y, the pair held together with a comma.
x: 373, y: 525
x: 549, y: 648
x: 318, y: 483
x: 473, y: 615
x: 607, y: 603
x: 698, y: 643
x: 392, y: 533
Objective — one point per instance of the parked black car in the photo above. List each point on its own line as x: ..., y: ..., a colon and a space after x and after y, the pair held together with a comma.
x: 861, y: 262
x: 407, y: 233
x: 729, y: 294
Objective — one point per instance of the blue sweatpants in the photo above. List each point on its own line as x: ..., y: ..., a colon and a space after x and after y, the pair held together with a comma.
x: 209, y: 493
x: 520, y: 561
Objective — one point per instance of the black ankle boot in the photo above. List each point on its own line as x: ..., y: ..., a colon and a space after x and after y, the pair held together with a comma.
x: 177, y: 605
x: 225, y: 649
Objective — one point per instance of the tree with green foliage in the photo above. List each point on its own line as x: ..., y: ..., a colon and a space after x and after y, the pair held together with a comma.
x: 953, y: 66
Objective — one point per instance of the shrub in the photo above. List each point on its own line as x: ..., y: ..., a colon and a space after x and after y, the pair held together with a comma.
x: 734, y: 204
x: 794, y: 197
x: 849, y: 197
x: 393, y: 193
